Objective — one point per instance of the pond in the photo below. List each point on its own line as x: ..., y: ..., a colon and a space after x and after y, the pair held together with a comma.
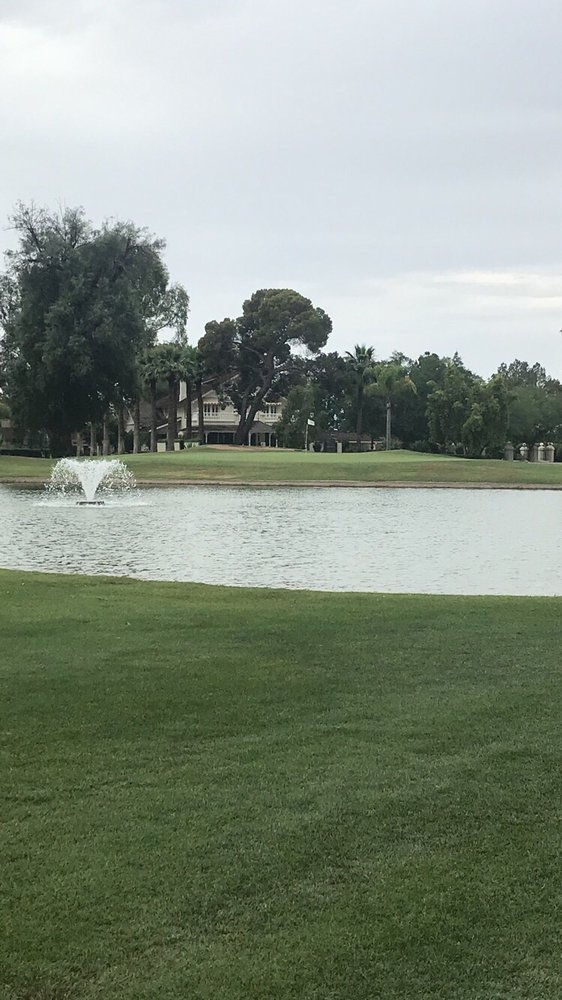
x: 393, y: 540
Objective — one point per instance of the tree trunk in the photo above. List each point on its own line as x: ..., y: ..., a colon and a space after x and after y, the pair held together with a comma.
x: 188, y: 406
x: 121, y: 429
x: 153, y: 416
x: 245, y: 425
x: 200, y: 411
x: 388, y: 423
x: 93, y: 440
x: 172, y: 428
x: 248, y: 413
x: 105, y: 436
x: 359, y: 421
x: 60, y: 444
x: 136, y: 426
x: 79, y: 445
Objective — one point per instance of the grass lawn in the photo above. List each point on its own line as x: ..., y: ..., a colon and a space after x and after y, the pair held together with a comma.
x: 277, y: 465
x: 266, y: 795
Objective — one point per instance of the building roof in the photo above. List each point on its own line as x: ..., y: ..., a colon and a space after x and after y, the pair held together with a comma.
x: 258, y: 427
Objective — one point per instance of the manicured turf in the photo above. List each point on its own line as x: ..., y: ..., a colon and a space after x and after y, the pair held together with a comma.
x: 211, y: 793
x: 277, y: 465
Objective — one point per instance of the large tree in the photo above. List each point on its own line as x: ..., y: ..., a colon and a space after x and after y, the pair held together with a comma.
x: 171, y: 367
x: 521, y: 373
x: 169, y: 312
x: 535, y: 403
x: 328, y: 375
x: 449, y: 405
x: 484, y: 431
x: 86, y: 302
x: 392, y: 381
x: 260, y: 343
x: 151, y: 373
x: 361, y: 365
x: 214, y: 364
x: 465, y: 412
x: 409, y: 420
x: 297, y: 408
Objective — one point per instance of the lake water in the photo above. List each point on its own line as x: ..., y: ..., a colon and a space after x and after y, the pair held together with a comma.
x: 421, y: 540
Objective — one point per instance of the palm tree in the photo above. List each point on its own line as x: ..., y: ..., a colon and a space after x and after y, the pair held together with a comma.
x: 188, y: 405
x: 135, y: 412
x: 120, y: 413
x: 362, y: 366
x: 188, y: 370
x: 151, y: 372
x: 93, y: 438
x: 199, y: 371
x: 392, y: 379
x: 173, y: 363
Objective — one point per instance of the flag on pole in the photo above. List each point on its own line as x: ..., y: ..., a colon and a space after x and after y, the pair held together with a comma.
x: 309, y: 423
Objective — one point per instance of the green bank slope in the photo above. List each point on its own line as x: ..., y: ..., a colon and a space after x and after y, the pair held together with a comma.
x: 267, y: 795
x: 263, y: 465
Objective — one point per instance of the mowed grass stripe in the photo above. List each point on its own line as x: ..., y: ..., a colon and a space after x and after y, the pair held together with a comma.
x: 270, y: 465
x: 228, y: 793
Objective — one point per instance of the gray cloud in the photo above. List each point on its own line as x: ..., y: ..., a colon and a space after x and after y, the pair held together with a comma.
x: 366, y: 154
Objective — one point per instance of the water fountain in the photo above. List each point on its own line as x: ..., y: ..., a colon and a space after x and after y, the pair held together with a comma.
x: 91, y: 478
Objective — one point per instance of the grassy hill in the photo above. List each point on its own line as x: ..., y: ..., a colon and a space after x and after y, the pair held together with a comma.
x: 277, y: 465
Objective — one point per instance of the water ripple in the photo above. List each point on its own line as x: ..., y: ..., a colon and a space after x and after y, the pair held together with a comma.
x: 425, y: 541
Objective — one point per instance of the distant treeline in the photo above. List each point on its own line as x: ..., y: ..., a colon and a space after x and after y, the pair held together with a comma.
x: 83, y: 311
x: 429, y: 404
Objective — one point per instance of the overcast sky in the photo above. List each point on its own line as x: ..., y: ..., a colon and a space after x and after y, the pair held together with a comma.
x: 397, y: 161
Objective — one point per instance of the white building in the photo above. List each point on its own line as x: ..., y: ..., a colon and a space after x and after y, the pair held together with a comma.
x: 220, y: 422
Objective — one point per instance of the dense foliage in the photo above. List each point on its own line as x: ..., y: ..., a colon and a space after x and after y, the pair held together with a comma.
x: 259, y: 347
x: 81, y: 309
x: 429, y: 404
x: 78, y: 306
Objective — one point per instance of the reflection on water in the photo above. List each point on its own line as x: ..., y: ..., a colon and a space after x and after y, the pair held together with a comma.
x: 426, y: 541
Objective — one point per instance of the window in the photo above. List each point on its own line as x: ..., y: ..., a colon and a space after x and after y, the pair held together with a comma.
x: 271, y: 410
x: 210, y: 409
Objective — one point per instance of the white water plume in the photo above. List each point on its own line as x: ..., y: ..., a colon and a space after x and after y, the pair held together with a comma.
x: 90, y: 477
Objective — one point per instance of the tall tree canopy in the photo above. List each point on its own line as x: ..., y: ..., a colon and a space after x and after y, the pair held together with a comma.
x: 534, y: 403
x: 77, y: 306
x: 448, y: 406
x: 522, y: 373
x: 466, y: 413
x: 392, y: 379
x: 361, y: 364
x: 259, y: 346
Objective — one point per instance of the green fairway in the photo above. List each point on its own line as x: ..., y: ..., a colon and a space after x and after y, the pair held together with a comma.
x: 268, y: 795
x: 269, y: 465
